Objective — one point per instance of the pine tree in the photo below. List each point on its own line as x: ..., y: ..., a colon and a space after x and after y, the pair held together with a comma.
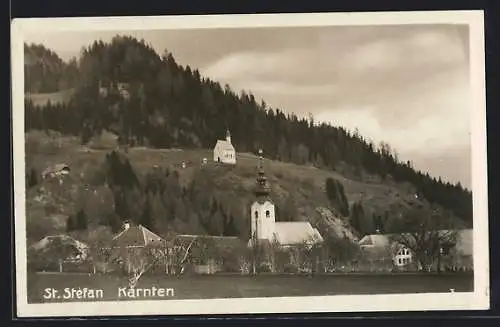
x: 81, y: 221
x: 147, y: 217
x: 70, y: 224
x: 33, y: 177
x: 357, y: 216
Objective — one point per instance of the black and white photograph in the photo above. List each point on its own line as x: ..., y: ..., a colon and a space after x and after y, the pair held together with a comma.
x: 229, y: 164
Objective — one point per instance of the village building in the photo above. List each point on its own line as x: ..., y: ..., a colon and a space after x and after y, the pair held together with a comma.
x: 56, y: 252
x: 135, y: 236
x: 224, y: 151
x: 57, y: 170
x: 209, y: 254
x: 123, y: 90
x: 130, y: 238
x: 383, y: 249
x: 264, y: 226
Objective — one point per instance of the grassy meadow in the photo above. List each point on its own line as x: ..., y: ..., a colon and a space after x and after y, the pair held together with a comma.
x: 236, y: 286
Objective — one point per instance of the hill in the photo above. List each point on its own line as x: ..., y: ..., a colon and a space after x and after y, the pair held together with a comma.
x: 151, y: 187
x: 151, y: 103
x: 46, y: 73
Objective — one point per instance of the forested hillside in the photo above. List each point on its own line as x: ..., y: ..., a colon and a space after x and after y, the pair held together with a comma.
x: 171, y: 106
x: 45, y: 72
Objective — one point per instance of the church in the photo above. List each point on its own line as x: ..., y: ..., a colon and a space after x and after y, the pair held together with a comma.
x: 224, y: 151
x: 264, y: 225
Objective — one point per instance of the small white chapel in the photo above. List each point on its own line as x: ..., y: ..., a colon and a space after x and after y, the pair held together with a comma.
x: 266, y: 228
x: 224, y: 151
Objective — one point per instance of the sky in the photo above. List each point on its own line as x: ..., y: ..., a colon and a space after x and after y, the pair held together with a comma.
x: 405, y: 85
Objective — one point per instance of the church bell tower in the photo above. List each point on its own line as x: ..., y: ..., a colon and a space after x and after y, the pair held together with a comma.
x: 262, y: 210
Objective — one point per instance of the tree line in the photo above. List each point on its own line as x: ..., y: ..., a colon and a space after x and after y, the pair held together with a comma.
x: 174, y: 106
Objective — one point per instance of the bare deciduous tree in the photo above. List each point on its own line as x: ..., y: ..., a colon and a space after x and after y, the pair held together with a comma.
x: 140, y: 260
x: 427, y: 233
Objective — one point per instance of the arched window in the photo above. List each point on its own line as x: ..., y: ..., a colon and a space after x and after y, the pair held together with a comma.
x: 268, y: 214
x: 256, y: 214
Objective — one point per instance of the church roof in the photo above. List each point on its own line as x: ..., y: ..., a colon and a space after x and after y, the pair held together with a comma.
x: 294, y: 233
x: 225, y: 145
x: 136, y: 236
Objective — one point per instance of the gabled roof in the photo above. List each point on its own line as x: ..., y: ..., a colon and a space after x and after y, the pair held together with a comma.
x: 297, y: 232
x: 60, y: 245
x: 224, y: 145
x: 136, y: 235
x: 55, y: 168
x: 375, y: 240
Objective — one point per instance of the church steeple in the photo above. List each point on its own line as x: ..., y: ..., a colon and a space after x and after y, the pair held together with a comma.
x: 262, y: 187
x: 228, y: 136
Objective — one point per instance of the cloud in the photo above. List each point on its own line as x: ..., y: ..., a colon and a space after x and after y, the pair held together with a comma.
x: 408, y: 89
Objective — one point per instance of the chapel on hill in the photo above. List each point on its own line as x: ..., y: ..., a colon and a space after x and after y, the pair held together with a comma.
x: 224, y: 151
x: 264, y: 226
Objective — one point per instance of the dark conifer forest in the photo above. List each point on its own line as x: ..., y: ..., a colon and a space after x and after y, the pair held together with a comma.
x: 171, y: 106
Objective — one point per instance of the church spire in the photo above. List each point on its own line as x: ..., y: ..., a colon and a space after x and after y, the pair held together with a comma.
x: 262, y: 188
x: 228, y: 135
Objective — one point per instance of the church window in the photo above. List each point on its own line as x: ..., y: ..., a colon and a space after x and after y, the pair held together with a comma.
x: 268, y: 214
x: 256, y: 214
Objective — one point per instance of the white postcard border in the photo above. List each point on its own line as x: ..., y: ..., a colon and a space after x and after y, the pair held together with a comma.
x: 477, y: 300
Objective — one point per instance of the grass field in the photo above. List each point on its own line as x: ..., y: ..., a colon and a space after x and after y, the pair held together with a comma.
x: 41, y: 99
x: 235, y: 286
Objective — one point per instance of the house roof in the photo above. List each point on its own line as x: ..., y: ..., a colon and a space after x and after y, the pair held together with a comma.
x: 221, y: 245
x: 136, y: 235
x: 55, y: 168
x: 297, y: 232
x: 224, y: 145
x: 375, y: 240
x: 60, y: 245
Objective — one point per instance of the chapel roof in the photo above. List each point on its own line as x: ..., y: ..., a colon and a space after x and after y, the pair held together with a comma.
x: 225, y: 145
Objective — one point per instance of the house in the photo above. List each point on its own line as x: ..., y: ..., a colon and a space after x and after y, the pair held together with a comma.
x: 382, y: 248
x: 208, y: 254
x: 130, y: 238
x: 103, y: 89
x: 135, y: 236
x: 123, y: 90
x: 224, y: 151
x: 57, y: 170
x: 264, y: 226
x: 56, y: 251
